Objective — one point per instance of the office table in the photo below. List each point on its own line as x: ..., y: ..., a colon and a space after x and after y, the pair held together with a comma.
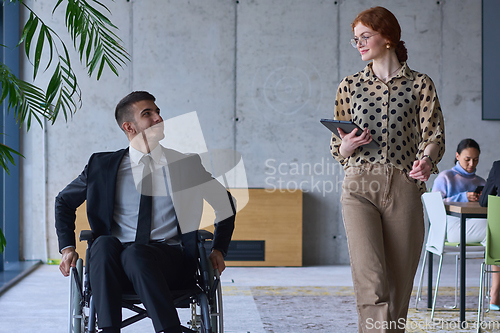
x: 463, y: 210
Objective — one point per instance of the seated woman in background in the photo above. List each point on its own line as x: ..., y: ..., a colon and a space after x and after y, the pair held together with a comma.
x: 459, y: 184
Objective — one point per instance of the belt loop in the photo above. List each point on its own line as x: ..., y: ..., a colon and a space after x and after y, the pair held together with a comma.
x: 389, y: 170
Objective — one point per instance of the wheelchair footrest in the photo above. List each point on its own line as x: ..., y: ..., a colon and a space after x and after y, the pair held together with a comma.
x: 187, y: 330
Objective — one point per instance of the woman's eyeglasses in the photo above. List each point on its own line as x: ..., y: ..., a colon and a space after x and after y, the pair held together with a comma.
x: 361, y: 41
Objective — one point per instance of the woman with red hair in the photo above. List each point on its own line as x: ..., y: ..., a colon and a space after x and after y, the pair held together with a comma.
x: 382, y: 211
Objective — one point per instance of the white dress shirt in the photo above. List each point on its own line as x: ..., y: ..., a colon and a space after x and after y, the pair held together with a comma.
x: 127, y: 197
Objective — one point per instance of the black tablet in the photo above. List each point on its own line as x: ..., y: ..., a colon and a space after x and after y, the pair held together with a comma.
x: 347, y: 127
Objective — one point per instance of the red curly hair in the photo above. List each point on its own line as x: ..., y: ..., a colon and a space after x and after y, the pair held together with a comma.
x: 386, y: 24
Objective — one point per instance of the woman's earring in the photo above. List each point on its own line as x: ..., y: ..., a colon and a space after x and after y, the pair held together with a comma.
x: 388, y: 46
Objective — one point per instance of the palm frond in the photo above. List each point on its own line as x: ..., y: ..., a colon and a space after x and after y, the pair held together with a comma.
x: 94, y: 40
x: 3, y: 241
x: 6, y: 156
x: 25, y: 99
x: 93, y: 37
x: 97, y: 45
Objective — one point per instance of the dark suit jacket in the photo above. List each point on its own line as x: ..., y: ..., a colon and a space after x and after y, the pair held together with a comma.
x: 492, y: 184
x: 191, y: 183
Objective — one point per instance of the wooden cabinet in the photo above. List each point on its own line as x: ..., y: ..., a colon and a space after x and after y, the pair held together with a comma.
x: 273, y: 217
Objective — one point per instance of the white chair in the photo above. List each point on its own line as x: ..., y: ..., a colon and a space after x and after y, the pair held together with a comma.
x: 436, y: 243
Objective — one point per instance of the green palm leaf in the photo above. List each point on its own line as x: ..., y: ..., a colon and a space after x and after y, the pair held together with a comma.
x: 5, y: 155
x: 3, y: 241
x: 98, y: 47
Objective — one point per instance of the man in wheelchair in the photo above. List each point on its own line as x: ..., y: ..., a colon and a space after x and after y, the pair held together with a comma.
x: 144, y: 205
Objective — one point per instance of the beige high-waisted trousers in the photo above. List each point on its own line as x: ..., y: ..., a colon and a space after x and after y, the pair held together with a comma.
x: 383, y: 219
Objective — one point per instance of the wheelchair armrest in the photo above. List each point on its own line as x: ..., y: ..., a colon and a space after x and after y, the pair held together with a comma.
x: 204, y: 235
x: 86, y: 235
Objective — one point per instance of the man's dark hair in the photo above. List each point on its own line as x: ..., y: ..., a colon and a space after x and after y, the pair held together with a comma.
x: 122, y: 111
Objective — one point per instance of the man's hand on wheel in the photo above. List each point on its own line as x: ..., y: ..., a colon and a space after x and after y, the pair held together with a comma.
x: 68, y: 260
x: 217, y: 260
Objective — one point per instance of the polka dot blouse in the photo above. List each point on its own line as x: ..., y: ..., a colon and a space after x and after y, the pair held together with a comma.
x: 403, y: 116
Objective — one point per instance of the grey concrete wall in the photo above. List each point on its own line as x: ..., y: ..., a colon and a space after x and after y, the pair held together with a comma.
x: 260, y: 75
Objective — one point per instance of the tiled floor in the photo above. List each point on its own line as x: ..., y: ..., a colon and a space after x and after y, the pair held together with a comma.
x: 284, y: 300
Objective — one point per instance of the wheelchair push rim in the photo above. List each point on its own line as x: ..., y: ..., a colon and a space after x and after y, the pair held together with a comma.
x: 77, y: 318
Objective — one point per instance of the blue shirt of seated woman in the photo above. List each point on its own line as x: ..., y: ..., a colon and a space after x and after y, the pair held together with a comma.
x: 455, y: 183
x: 458, y: 185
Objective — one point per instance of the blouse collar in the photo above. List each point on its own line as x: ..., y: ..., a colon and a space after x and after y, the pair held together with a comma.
x: 405, y: 71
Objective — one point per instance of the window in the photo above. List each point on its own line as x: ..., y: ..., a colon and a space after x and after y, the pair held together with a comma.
x: 9, y: 184
x: 491, y: 70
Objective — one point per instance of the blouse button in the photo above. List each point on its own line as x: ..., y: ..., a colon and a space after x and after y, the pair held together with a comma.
x: 384, y: 104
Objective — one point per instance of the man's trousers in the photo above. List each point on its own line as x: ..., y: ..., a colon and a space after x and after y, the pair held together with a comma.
x: 152, y: 270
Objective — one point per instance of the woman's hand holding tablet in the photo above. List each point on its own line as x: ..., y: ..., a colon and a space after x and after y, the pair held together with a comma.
x: 352, y: 135
x: 351, y: 141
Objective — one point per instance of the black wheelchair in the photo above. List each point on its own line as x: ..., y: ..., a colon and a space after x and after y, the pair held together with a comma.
x: 204, y: 299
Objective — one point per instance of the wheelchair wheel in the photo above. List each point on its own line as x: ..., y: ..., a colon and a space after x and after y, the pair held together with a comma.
x: 76, y: 311
x: 216, y: 311
x: 206, y: 312
x: 206, y: 323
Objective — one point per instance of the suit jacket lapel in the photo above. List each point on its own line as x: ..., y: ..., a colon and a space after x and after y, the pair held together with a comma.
x: 111, y: 170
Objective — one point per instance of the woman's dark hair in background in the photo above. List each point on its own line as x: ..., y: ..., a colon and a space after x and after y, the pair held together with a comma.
x: 467, y: 143
x: 386, y: 24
